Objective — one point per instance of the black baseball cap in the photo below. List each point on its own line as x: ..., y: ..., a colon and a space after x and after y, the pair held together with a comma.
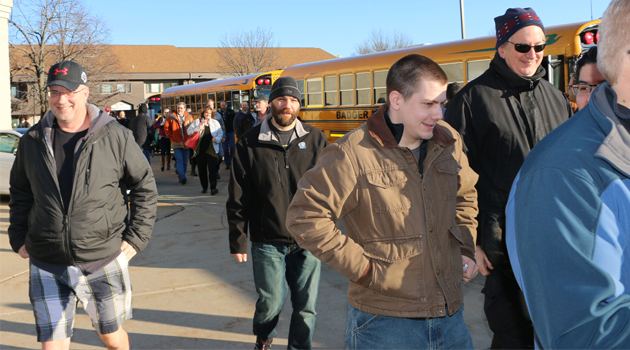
x: 67, y: 74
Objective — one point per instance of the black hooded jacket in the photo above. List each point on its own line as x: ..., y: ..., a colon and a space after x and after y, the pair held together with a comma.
x: 96, y: 221
x: 501, y: 117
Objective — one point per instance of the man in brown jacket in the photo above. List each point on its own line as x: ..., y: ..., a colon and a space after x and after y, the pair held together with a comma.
x: 406, y: 194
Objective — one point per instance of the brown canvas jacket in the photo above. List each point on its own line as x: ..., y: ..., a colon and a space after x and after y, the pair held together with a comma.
x: 414, y: 229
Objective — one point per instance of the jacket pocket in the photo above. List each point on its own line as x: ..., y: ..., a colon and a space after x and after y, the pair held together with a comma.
x: 456, y: 232
x: 397, y: 267
x: 447, y: 169
x: 387, y: 191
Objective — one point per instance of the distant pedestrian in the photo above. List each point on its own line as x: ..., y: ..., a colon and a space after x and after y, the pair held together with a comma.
x: 175, y: 129
x: 269, y: 161
x: 243, y: 121
x: 163, y: 140
x: 26, y: 123
x: 143, y: 131
x: 207, y: 152
x: 69, y: 217
x: 218, y: 118
x: 122, y: 119
x: 228, y: 114
x: 262, y: 108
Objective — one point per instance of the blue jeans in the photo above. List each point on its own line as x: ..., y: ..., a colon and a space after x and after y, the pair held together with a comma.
x: 368, y: 331
x: 274, y: 263
x: 228, y: 148
x: 181, y: 161
x: 148, y: 155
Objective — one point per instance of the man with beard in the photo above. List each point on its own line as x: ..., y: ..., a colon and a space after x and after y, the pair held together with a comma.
x: 268, y: 163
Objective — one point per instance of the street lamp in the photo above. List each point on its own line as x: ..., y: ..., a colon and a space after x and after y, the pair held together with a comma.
x: 461, y: 10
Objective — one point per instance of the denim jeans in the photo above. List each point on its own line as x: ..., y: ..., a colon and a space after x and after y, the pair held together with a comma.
x: 148, y: 155
x: 368, y: 331
x: 276, y: 266
x: 228, y: 148
x: 181, y: 161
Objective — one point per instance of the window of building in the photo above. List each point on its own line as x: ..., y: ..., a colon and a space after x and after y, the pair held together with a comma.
x: 301, y: 87
x: 454, y: 72
x: 330, y: 91
x: 346, y: 90
x: 105, y: 88
x: 314, y: 92
x: 153, y: 88
x: 380, y: 89
x: 168, y: 85
x: 124, y: 88
x: 363, y: 88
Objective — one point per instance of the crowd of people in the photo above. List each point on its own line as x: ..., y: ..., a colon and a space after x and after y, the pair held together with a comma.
x: 504, y: 181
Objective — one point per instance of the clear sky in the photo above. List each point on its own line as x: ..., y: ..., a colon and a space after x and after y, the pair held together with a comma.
x: 333, y: 25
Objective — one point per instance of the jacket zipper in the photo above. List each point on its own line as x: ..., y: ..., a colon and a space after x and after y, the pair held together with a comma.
x: 66, y: 234
x: 277, y: 169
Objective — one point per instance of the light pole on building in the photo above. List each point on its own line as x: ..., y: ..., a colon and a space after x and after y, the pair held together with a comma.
x: 461, y: 10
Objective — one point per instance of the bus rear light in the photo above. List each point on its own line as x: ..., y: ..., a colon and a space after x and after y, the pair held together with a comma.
x: 152, y: 99
x: 588, y: 38
x: 157, y: 98
x: 260, y: 81
x: 267, y: 81
x: 597, y: 38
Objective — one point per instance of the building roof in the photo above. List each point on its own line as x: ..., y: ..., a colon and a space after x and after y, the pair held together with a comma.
x: 171, y: 59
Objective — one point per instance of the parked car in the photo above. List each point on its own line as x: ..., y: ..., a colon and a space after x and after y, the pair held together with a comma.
x: 9, y: 140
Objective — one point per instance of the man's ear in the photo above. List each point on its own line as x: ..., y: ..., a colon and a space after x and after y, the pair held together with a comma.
x: 395, y: 99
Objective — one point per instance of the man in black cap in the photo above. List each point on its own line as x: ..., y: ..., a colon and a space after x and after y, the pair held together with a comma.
x: 68, y: 215
x: 143, y: 130
x: 269, y: 161
x: 502, y: 115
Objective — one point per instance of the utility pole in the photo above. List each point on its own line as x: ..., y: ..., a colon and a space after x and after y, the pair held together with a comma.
x: 461, y: 10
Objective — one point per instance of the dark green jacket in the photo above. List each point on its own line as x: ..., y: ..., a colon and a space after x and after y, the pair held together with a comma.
x: 96, y: 223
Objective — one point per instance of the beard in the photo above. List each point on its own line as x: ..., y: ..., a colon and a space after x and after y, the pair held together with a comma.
x: 283, y: 120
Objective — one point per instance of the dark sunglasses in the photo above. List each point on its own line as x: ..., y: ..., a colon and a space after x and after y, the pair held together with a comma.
x: 524, y: 48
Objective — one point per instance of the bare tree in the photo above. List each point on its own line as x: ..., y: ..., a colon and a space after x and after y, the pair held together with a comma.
x: 244, y: 53
x: 44, y: 32
x: 382, y: 41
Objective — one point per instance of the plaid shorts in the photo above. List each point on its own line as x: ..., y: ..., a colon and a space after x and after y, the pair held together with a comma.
x: 105, y: 295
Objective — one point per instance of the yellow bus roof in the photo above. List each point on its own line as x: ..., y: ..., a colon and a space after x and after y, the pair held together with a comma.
x: 244, y: 82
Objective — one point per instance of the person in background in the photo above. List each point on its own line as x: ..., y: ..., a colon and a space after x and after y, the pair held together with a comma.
x: 143, y: 131
x: 262, y: 108
x: 403, y: 187
x: 163, y: 141
x: 26, y: 123
x: 568, y: 216
x: 243, y: 121
x: 269, y: 161
x: 122, y: 119
x: 587, y: 77
x: 219, y: 118
x: 227, y: 115
x: 21, y: 122
x: 69, y: 217
x: 175, y: 129
x: 501, y: 116
x: 207, y: 152
x: 193, y: 162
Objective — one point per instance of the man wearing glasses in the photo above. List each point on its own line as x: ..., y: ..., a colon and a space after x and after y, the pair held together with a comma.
x: 68, y: 215
x: 502, y: 115
x: 587, y: 76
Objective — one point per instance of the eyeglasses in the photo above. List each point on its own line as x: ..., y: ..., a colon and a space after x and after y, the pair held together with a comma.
x: 55, y: 93
x: 583, y: 89
x: 524, y: 48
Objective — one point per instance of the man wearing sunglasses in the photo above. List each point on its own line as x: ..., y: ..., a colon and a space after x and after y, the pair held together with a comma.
x: 502, y: 115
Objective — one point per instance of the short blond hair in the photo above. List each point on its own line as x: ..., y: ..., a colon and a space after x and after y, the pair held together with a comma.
x: 614, y: 40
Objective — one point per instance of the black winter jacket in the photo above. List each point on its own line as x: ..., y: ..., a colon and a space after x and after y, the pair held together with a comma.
x: 96, y: 223
x: 501, y: 117
x: 264, y: 179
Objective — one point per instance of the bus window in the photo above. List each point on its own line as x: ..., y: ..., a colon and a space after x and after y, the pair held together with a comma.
x: 204, y: 99
x: 475, y: 69
x: 228, y: 98
x: 245, y: 97
x: 198, y: 100
x: 380, y: 89
x: 346, y: 90
x: 187, y: 101
x: 454, y: 72
x: 220, y: 97
x: 236, y: 100
x: 177, y: 99
x: 556, y: 68
x: 363, y: 88
x: 330, y: 91
x: 314, y: 92
x: 301, y: 87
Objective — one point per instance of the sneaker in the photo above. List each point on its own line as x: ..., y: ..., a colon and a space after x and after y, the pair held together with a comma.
x: 263, y: 344
x: 214, y: 191
x: 183, y: 181
x: 162, y: 168
x: 227, y: 167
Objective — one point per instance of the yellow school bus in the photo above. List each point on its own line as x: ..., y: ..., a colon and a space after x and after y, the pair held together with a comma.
x: 232, y: 90
x: 340, y: 94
